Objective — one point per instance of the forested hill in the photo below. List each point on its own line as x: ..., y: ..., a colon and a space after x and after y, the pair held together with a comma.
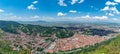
x: 9, y: 26
x: 14, y: 27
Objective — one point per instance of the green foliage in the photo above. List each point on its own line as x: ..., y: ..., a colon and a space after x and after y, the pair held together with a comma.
x: 13, y: 27
x: 24, y: 51
x: 87, y: 32
x: 5, y: 48
x: 49, y: 39
x: 1, y: 32
x: 113, y: 47
x: 40, y: 49
x: 64, y: 34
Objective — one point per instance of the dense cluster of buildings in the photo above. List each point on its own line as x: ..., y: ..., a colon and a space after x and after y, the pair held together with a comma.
x: 77, y: 41
x: 64, y: 44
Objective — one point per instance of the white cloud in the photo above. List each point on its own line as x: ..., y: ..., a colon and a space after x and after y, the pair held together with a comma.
x: 14, y: 17
x: 2, y: 10
x: 110, y: 14
x: 61, y: 3
x: 110, y: 3
x: 117, y: 1
x: 100, y: 17
x: 87, y: 16
x: 61, y: 14
x: 115, y: 10
x: 95, y: 17
x: 36, y: 16
x: 31, y: 7
x: 106, y: 8
x: 115, y: 19
x: 35, y: 2
x: 81, y: 1
x: 110, y: 10
x: 74, y: 1
x: 72, y: 11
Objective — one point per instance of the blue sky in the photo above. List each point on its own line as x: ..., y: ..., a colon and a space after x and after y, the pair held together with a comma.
x: 60, y: 10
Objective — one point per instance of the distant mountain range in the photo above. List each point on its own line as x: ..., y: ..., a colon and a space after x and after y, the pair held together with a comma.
x: 64, y: 23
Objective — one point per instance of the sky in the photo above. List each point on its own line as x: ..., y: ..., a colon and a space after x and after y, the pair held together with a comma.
x: 60, y: 10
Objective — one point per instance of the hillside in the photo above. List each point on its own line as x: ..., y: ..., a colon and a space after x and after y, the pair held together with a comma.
x: 16, y: 38
x: 111, y: 46
x: 17, y: 28
x: 48, y: 31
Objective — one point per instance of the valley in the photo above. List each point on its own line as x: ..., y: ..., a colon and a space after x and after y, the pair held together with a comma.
x: 41, y: 39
